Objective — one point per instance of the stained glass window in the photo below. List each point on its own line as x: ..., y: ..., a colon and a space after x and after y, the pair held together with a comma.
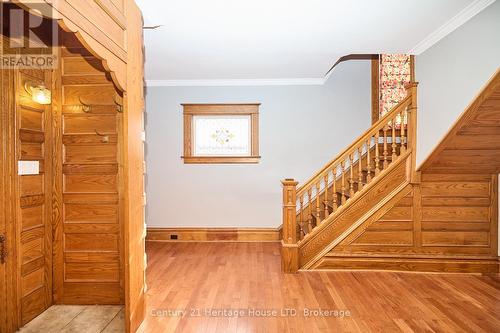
x: 221, y: 135
x: 395, y: 72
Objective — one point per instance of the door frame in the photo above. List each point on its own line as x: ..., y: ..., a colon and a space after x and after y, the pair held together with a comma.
x: 8, y: 167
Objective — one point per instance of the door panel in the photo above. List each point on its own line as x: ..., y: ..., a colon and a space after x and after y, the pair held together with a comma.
x: 88, y: 236
x: 34, y: 200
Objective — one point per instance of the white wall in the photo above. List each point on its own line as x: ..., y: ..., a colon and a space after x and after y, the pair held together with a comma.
x: 301, y: 129
x: 452, y: 72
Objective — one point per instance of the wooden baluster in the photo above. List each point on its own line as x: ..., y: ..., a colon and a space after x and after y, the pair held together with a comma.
x: 360, y: 168
x: 318, y: 217
x: 309, y: 210
x: 325, y: 202
x: 403, y: 143
x: 301, y: 217
x: 342, y: 173
x: 386, y: 153
x: 368, y: 161
x: 394, y: 139
x: 334, y: 199
x: 351, y: 175
x: 377, y: 154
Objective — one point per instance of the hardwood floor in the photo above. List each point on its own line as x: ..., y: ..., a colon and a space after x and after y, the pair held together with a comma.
x: 194, y: 277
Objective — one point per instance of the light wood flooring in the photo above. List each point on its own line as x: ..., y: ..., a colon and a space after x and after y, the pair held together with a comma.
x: 78, y: 319
x: 199, y: 277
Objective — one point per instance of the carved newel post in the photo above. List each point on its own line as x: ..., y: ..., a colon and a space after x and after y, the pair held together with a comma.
x: 289, y: 249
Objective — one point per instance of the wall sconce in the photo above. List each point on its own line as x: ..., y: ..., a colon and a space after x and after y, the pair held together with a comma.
x: 39, y: 94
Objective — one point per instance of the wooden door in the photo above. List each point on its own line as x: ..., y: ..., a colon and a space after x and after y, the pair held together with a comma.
x: 33, y: 143
x: 87, y: 223
x: 8, y: 277
x: 25, y: 216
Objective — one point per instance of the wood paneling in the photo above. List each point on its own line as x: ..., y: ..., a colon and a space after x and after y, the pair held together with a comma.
x: 455, y: 238
x: 450, y: 225
x: 81, y: 154
x: 88, y: 124
x: 90, y: 183
x: 357, y: 215
x: 8, y: 269
x: 32, y: 199
x: 94, y: 68
x: 101, y: 26
x: 472, y: 143
x: 88, y: 225
x: 381, y: 238
x: 409, y: 264
x: 103, y: 213
x: 31, y: 119
x: 90, y: 272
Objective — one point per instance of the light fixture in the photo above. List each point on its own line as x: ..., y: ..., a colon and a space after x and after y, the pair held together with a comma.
x: 39, y: 94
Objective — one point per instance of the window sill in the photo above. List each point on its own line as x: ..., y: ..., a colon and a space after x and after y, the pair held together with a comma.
x: 221, y: 159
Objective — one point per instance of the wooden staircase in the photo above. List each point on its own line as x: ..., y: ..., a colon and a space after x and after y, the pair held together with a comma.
x: 350, y: 188
x: 370, y: 208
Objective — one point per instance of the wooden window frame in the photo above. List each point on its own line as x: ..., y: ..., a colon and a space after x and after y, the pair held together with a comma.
x: 190, y: 110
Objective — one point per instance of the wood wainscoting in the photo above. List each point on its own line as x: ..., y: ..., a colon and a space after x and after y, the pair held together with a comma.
x: 444, y: 223
x: 214, y: 234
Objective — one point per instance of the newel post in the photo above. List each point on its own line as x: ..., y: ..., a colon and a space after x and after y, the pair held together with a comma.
x: 289, y: 248
x: 411, y: 89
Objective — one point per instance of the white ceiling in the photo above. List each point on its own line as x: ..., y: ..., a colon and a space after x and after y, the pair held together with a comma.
x: 286, y: 39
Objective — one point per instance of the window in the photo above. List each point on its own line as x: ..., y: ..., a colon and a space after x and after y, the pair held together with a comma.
x: 221, y: 133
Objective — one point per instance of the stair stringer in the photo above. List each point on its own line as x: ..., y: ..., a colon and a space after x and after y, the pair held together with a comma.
x: 366, y: 207
x: 355, y: 234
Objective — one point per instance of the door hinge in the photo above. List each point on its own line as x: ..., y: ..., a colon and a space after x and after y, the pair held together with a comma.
x: 3, y: 251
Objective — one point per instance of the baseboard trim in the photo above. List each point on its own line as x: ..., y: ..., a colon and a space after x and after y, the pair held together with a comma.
x: 213, y: 234
x: 431, y: 265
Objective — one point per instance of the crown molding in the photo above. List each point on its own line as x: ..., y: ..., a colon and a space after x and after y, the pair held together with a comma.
x: 237, y: 82
x: 456, y: 21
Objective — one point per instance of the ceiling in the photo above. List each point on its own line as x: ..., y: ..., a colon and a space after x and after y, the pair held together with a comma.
x: 215, y: 40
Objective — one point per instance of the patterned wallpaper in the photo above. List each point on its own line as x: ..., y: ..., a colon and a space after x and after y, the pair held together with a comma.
x: 395, y: 72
